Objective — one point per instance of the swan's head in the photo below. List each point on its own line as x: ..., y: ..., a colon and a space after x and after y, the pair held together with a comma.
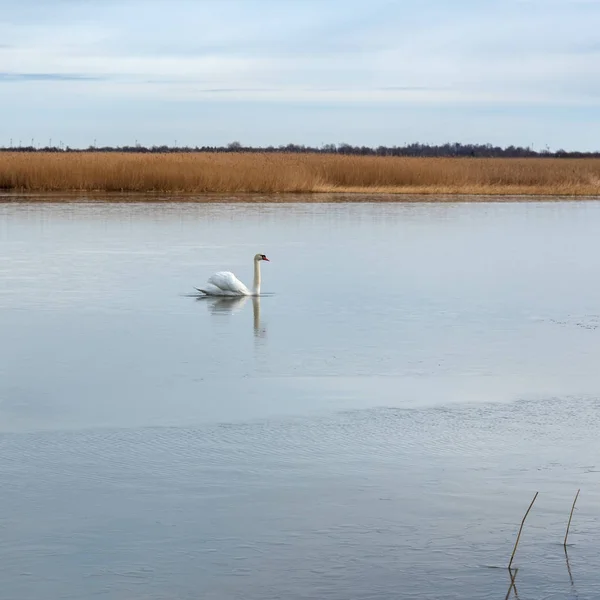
x: 261, y: 257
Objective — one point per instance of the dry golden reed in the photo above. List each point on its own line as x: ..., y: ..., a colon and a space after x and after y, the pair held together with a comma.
x: 280, y: 173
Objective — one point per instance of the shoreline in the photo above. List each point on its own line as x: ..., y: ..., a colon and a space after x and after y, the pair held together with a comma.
x: 341, y: 197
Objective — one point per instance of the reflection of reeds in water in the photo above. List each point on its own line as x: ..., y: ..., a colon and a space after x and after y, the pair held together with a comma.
x: 569, y: 567
x: 275, y: 173
x: 512, y: 586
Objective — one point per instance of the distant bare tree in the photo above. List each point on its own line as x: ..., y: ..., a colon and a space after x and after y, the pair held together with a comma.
x: 412, y: 149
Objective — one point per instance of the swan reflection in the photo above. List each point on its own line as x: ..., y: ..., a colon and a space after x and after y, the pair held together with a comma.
x: 258, y: 331
x: 224, y: 305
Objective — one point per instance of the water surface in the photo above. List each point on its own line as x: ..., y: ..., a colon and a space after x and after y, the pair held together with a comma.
x: 374, y: 426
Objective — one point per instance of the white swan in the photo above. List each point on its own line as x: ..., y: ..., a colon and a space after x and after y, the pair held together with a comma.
x: 225, y: 283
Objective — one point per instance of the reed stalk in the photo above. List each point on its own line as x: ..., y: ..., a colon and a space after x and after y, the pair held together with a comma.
x: 570, y: 517
x: 520, y: 530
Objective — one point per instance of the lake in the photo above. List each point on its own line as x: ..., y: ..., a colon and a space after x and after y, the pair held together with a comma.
x: 374, y: 426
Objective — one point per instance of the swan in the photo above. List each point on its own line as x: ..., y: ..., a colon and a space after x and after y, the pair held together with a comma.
x: 225, y: 283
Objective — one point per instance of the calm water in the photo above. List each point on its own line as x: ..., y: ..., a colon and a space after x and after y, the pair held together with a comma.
x: 373, y: 427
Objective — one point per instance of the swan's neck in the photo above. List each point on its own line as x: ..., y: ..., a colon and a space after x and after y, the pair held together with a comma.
x: 256, y: 284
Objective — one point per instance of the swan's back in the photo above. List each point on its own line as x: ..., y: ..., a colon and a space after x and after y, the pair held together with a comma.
x: 228, y: 283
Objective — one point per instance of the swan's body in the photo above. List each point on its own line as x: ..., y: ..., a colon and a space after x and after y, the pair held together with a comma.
x: 225, y: 283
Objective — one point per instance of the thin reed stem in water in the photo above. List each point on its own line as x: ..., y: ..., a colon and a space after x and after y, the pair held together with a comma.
x: 570, y: 517
x: 520, y: 530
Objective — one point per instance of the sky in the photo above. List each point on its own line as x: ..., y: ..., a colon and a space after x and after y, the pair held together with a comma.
x: 271, y: 72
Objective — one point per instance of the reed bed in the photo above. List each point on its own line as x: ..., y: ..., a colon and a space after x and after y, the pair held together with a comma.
x: 238, y: 173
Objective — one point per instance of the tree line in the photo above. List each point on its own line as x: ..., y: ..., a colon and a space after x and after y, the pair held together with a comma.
x: 414, y: 149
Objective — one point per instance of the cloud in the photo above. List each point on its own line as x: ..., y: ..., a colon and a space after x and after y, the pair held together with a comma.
x: 303, y: 52
x: 6, y: 77
x: 478, y: 54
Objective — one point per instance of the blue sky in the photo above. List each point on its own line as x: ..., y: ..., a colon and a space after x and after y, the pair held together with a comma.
x: 524, y: 72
